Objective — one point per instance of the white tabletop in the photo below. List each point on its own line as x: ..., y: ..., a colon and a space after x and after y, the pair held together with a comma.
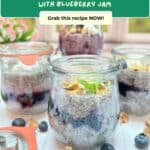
x: 123, y: 138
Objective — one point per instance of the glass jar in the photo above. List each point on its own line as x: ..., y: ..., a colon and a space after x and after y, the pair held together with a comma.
x: 25, y: 81
x: 10, y: 140
x: 134, y: 82
x: 81, y: 39
x: 84, y: 107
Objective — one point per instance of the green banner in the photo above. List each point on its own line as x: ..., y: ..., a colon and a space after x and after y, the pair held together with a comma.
x: 31, y: 8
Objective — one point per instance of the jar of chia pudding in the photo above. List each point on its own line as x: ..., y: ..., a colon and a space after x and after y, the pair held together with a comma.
x: 25, y: 80
x: 81, y: 39
x: 134, y: 82
x: 84, y: 107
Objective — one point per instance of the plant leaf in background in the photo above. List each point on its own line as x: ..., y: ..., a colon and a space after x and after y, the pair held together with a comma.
x: 15, y: 30
x: 26, y: 36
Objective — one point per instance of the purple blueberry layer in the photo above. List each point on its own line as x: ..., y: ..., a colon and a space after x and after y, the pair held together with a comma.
x: 27, y: 99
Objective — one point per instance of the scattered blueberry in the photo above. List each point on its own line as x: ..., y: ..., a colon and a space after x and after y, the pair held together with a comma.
x: 107, y: 146
x: 19, y: 122
x: 43, y: 126
x: 141, y: 140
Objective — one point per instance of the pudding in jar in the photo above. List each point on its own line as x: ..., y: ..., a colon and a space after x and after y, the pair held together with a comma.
x: 25, y: 77
x: 81, y: 39
x: 84, y: 108
x: 134, y: 82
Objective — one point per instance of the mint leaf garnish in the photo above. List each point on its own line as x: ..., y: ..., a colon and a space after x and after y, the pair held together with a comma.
x: 91, y: 87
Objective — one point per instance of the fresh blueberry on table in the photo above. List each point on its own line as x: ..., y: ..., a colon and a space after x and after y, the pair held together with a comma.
x: 107, y: 146
x: 19, y: 122
x: 43, y: 126
x: 141, y: 141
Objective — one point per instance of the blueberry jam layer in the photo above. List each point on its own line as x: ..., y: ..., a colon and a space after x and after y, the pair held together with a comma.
x: 93, y: 121
x: 124, y: 88
x: 27, y: 99
x: 79, y: 43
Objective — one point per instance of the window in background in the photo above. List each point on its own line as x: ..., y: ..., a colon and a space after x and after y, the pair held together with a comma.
x: 105, y: 28
x: 139, y: 25
x: 133, y: 30
x: 122, y: 30
x: 138, y: 30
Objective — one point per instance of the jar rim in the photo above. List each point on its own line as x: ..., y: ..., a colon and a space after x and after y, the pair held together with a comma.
x: 25, y: 48
x: 132, y: 51
x: 27, y: 52
x: 103, y: 65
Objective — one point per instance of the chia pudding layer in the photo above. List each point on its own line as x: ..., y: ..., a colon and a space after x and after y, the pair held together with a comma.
x: 80, y: 40
x: 84, y: 121
x: 134, y: 88
x: 26, y: 92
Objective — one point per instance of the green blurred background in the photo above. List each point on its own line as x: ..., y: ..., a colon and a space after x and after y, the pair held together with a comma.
x: 139, y: 25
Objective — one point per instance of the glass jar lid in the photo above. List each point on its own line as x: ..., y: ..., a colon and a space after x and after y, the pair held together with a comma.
x: 18, y: 138
x: 27, y: 52
x: 132, y: 51
x: 85, y: 64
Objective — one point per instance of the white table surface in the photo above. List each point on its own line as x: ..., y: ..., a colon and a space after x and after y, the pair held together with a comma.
x: 123, y: 136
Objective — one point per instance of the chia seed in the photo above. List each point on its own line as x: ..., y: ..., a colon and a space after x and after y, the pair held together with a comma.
x: 78, y: 130
x: 26, y: 92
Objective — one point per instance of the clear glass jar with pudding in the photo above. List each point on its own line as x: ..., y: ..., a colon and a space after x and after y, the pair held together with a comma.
x: 134, y: 82
x: 84, y: 106
x: 81, y: 39
x: 25, y: 81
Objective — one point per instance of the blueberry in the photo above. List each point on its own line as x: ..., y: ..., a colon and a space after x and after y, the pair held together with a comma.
x: 50, y: 105
x: 141, y: 140
x: 94, y: 121
x: 107, y: 146
x: 77, y: 123
x: 19, y: 122
x: 43, y: 126
x: 56, y: 112
x: 123, y: 64
x: 67, y: 117
x: 11, y: 96
x: 38, y: 96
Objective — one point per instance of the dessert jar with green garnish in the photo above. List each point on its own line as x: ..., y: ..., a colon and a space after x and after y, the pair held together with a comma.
x: 134, y: 82
x: 84, y: 107
x: 81, y: 39
x: 25, y: 80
